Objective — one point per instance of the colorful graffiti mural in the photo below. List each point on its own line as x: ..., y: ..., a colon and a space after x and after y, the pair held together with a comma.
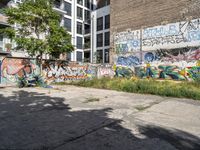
x: 171, y: 50
x: 105, y: 71
x: 169, y: 64
x: 176, y: 64
x: 170, y: 72
x: 124, y: 72
x: 14, y: 68
x: 58, y: 71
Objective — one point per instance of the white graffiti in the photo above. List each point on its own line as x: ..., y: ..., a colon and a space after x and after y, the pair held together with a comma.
x: 173, y: 35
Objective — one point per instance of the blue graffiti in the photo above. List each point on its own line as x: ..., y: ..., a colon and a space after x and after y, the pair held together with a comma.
x: 161, y: 31
x: 149, y: 57
x: 128, y: 61
x: 193, y: 36
x: 134, y: 43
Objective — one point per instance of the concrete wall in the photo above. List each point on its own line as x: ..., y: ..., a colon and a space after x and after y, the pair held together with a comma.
x: 53, y: 71
x: 61, y: 71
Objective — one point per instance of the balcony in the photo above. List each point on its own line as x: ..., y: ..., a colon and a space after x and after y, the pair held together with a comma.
x: 59, y: 6
x: 87, y: 45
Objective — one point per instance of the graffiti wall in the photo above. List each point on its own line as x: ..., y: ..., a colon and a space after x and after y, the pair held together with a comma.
x: 52, y: 71
x: 13, y: 68
x: 62, y: 71
x: 59, y: 71
x: 174, y: 35
x: 180, y: 34
x: 167, y: 52
x: 176, y: 64
x: 127, y: 41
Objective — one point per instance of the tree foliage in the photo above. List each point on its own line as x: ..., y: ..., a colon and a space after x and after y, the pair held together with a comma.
x: 39, y: 31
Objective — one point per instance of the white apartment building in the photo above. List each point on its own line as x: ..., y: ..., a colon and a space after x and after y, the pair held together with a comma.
x: 88, y: 26
x: 100, y: 35
x: 77, y: 21
x: 75, y: 17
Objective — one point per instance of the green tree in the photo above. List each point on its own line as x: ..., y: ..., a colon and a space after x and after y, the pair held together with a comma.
x: 39, y: 30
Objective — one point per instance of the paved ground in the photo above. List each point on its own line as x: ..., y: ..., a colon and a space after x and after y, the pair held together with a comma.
x: 72, y: 118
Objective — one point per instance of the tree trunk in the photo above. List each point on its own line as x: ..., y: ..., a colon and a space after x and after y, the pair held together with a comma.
x: 41, y: 64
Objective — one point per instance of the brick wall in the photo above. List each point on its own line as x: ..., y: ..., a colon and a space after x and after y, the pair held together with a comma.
x: 137, y: 13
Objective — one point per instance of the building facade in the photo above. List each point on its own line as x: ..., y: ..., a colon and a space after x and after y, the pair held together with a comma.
x: 100, y: 34
x: 88, y: 23
x: 75, y: 17
x: 4, y: 41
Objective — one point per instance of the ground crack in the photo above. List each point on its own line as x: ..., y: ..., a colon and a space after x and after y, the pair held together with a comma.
x: 104, y: 124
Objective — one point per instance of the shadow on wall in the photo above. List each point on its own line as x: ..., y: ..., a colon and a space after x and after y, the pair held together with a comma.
x: 31, y: 120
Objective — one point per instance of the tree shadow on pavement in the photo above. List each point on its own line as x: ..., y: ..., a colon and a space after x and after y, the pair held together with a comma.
x: 35, y: 121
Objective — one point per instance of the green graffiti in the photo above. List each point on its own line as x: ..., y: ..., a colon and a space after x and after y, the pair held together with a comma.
x: 171, y: 72
x: 123, y: 72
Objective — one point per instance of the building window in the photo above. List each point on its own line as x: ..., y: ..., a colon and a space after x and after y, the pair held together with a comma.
x: 106, y: 55
x: 87, y: 16
x: 87, y: 4
x: 79, y: 42
x: 99, y: 24
x: 87, y: 56
x: 68, y: 8
x: 100, y: 40
x: 79, y: 56
x: 79, y: 28
x: 99, y: 56
x: 107, y: 22
x: 107, y: 39
x: 69, y: 56
x: 80, y: 2
x: 87, y: 42
x: 67, y: 24
x: 79, y: 13
x: 57, y: 4
x: 87, y: 28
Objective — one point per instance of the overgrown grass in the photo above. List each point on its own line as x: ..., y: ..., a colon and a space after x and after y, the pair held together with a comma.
x: 146, y: 86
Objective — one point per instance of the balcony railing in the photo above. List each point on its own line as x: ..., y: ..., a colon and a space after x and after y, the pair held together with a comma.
x: 86, y: 45
x: 58, y: 6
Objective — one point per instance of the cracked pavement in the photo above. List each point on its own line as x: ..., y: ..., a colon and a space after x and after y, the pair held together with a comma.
x: 64, y: 118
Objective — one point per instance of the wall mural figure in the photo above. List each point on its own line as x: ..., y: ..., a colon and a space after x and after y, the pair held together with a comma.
x: 13, y: 69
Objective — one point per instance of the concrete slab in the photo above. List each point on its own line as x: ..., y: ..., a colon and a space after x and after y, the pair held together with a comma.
x: 69, y: 117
